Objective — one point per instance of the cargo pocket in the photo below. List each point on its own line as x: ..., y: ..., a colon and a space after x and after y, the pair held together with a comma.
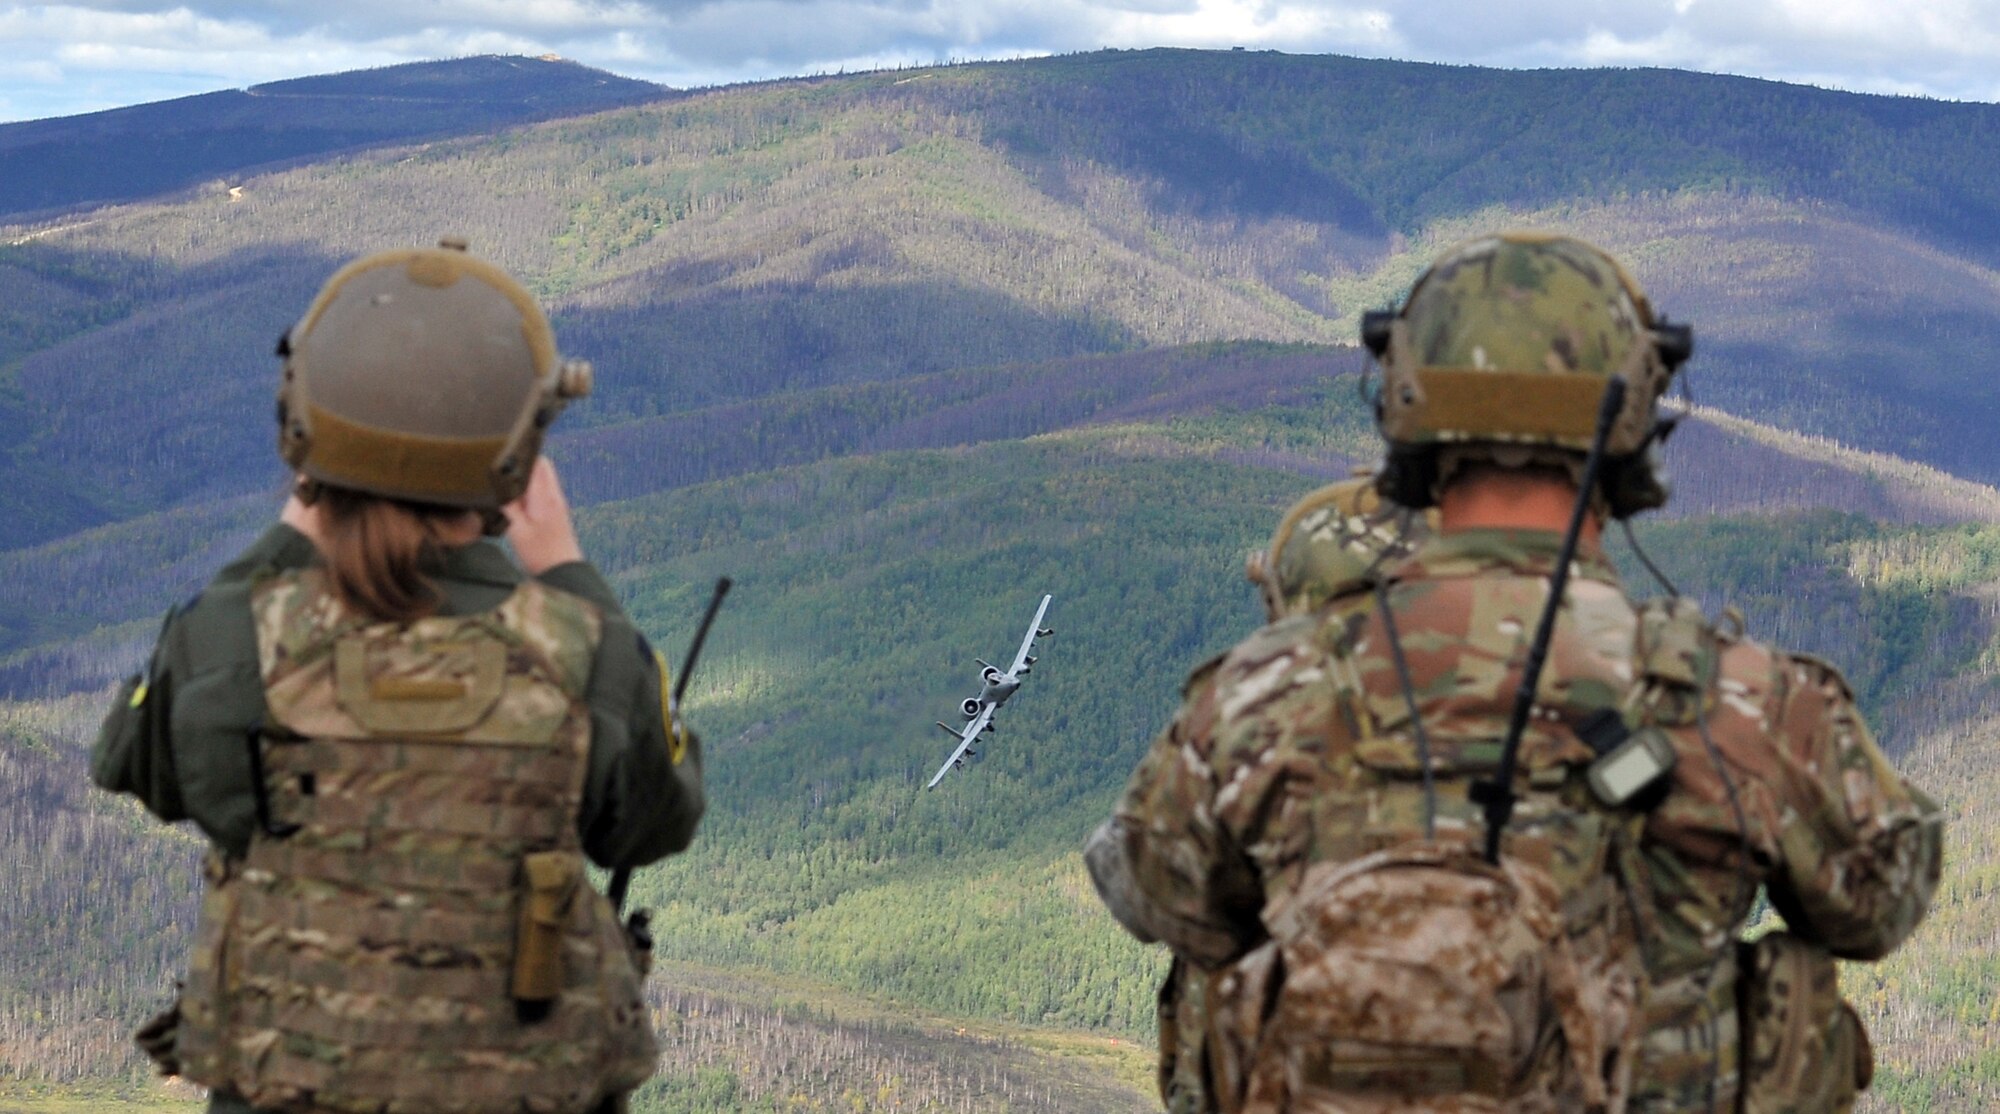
x: 1239, y: 1001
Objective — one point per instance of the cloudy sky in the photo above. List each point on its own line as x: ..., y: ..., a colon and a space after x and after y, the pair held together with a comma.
x: 63, y: 58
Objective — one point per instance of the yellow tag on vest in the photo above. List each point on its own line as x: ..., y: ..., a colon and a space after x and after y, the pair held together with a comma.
x: 677, y: 743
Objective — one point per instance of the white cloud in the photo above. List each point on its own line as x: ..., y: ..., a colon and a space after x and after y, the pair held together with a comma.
x: 130, y: 50
x: 1256, y: 23
x: 1948, y: 48
x: 38, y: 71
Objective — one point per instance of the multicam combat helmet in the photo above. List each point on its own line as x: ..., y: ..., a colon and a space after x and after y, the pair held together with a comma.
x: 1330, y: 543
x: 1501, y: 353
x: 423, y: 374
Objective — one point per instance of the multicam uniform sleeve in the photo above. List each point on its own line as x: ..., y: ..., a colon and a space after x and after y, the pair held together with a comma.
x: 1861, y: 849
x: 1182, y: 859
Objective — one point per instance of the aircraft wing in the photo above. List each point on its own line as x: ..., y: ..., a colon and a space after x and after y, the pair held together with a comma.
x: 966, y: 737
x: 1028, y: 643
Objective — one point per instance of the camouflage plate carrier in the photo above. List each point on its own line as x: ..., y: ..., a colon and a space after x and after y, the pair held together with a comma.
x: 413, y: 931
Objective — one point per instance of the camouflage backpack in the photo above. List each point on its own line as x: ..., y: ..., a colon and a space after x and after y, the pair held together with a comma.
x: 412, y: 931
x: 1419, y: 978
x: 1403, y: 971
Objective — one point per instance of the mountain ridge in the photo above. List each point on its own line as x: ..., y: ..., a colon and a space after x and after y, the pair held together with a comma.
x: 124, y: 154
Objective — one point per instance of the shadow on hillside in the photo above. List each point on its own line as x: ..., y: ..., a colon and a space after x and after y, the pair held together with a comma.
x: 1865, y: 396
x: 150, y: 385
x: 686, y: 342
x: 961, y: 407
x: 156, y: 390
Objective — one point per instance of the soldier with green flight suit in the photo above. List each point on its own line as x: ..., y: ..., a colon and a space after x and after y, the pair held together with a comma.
x: 1302, y: 831
x: 401, y: 746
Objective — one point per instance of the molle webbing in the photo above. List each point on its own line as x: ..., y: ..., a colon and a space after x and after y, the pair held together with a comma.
x: 368, y: 961
x: 1397, y: 1072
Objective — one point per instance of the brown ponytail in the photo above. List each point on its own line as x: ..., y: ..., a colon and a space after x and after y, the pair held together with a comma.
x: 378, y: 552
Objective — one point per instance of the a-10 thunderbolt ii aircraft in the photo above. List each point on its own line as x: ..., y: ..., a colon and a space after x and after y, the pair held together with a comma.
x: 995, y: 687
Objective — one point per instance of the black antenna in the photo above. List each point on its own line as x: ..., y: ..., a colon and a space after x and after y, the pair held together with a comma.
x: 722, y: 586
x: 1497, y: 796
x: 621, y: 879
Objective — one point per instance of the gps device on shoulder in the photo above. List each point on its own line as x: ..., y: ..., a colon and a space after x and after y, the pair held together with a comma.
x: 1630, y: 765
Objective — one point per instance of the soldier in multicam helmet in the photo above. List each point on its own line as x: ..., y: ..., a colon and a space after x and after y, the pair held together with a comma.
x: 1329, y: 545
x: 401, y: 745
x: 1326, y: 548
x: 1300, y: 832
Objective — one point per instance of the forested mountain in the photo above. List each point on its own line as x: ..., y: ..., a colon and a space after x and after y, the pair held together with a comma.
x: 902, y: 351
x: 761, y: 240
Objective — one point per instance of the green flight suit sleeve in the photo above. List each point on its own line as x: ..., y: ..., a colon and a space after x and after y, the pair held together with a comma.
x: 134, y: 750
x: 177, y: 735
x: 1861, y: 850
x: 644, y: 795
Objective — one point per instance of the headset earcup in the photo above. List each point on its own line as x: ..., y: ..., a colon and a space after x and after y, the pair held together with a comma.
x: 1633, y: 483
x: 1409, y: 476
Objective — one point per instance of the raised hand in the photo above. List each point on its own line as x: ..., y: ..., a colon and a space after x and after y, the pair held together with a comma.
x: 538, y: 523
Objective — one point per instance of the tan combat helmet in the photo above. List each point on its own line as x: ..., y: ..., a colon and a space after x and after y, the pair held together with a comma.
x: 423, y: 374
x: 1331, y: 543
x: 1501, y: 353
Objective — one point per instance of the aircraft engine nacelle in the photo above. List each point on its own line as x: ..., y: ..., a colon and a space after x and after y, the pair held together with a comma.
x: 970, y: 706
x: 990, y: 675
